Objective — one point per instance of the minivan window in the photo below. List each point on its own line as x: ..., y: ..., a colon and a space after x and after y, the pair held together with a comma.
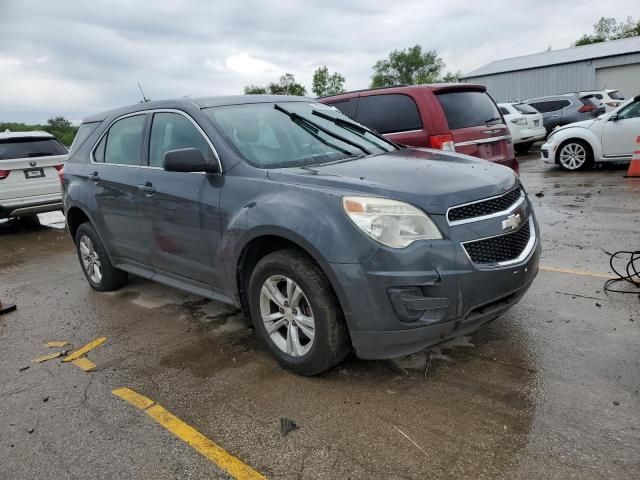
x: 29, y: 147
x: 348, y: 107
x: 465, y: 109
x: 525, y: 109
x: 390, y: 113
x: 268, y: 137
x: 173, y: 131
x: 123, y: 141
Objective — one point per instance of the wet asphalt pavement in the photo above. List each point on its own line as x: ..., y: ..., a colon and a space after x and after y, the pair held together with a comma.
x: 550, y: 390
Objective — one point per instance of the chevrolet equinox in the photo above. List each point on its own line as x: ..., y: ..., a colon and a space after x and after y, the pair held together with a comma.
x: 328, y: 235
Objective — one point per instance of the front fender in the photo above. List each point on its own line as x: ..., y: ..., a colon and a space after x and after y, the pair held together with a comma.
x: 580, y: 133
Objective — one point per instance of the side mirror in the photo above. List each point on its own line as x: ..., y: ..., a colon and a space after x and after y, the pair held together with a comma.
x: 613, y: 118
x: 187, y: 160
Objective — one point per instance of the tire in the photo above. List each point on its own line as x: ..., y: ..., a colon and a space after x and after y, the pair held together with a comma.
x: 574, y: 155
x: 523, y: 148
x: 91, y: 252
x: 317, y: 305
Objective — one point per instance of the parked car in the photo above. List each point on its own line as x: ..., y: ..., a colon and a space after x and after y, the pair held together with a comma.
x: 608, y: 138
x: 525, y: 125
x: 558, y: 110
x: 330, y: 236
x: 611, y: 98
x: 459, y: 117
x: 29, y: 167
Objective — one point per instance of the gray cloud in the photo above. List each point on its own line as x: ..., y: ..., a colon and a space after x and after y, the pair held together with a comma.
x: 78, y: 57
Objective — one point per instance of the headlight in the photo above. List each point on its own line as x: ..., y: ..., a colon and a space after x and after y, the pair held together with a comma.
x: 392, y: 223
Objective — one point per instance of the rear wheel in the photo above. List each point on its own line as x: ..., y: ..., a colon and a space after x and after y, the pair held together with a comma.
x: 575, y: 155
x: 523, y: 147
x: 296, y: 313
x: 96, y: 266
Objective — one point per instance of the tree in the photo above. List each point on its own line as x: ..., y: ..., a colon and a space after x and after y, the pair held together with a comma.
x: 287, y: 85
x: 607, y: 28
x: 409, y: 66
x: 255, y: 90
x: 452, y: 77
x: 324, y: 84
x: 58, y: 123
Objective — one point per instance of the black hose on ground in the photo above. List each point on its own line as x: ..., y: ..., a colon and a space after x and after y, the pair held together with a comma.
x: 630, y: 274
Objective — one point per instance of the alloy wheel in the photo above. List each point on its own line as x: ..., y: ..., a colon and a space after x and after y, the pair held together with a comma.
x: 90, y: 259
x: 573, y: 156
x: 287, y: 315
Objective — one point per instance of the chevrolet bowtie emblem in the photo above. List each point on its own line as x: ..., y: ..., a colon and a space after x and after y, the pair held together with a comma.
x: 512, y: 222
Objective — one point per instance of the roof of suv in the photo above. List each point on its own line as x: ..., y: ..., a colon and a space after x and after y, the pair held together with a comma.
x: 200, y: 102
x: 31, y: 134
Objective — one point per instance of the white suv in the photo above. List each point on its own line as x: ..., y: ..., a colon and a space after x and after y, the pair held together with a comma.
x: 612, y: 98
x: 29, y: 167
x: 609, y: 138
x: 525, y: 125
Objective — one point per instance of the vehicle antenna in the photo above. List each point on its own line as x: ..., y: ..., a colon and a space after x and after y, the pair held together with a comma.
x: 144, y: 98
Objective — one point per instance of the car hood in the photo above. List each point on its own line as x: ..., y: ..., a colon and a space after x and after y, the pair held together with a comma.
x: 430, y: 179
x: 582, y: 124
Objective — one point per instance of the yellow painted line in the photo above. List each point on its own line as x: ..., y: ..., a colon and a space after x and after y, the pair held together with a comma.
x: 218, y: 455
x: 84, y: 363
x: 134, y: 398
x: 44, y: 358
x: 81, y: 351
x: 57, y: 344
x: 576, y: 272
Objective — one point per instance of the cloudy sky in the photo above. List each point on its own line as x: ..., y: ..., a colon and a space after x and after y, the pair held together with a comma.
x: 73, y: 58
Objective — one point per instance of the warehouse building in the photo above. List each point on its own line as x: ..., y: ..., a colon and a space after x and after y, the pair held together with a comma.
x: 613, y: 64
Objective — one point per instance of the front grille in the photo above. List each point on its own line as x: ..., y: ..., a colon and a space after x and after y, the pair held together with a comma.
x: 486, y: 207
x: 499, y: 249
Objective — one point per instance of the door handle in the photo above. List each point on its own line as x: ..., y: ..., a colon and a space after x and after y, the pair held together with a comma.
x: 147, y: 188
x: 94, y: 177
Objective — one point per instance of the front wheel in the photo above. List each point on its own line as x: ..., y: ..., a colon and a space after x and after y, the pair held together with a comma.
x: 296, y: 313
x: 96, y: 266
x: 575, y: 155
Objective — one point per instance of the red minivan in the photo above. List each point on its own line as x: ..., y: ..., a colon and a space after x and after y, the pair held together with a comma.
x: 459, y: 117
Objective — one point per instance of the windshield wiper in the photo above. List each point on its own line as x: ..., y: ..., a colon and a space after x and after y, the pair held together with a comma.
x: 492, y: 119
x: 300, y: 120
x: 359, y: 129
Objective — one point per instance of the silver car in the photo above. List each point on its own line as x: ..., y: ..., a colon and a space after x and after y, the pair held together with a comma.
x: 30, y: 164
x: 558, y: 110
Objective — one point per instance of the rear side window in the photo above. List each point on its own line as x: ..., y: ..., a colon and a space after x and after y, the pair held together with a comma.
x: 616, y: 95
x: 525, y: 109
x: 547, y: 106
x: 348, y: 107
x: 465, y: 109
x: 121, y: 145
x: 504, y: 111
x: 30, y: 147
x: 172, y: 131
x: 83, y: 133
x: 389, y: 113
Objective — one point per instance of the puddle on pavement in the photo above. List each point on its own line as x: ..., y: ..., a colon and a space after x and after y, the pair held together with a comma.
x: 22, y: 241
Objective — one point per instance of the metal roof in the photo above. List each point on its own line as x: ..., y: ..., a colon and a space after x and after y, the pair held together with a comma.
x: 556, y: 57
x: 8, y: 134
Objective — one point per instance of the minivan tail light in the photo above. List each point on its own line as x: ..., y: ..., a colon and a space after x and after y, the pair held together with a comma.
x: 442, y: 142
x: 586, y: 108
x: 4, y: 174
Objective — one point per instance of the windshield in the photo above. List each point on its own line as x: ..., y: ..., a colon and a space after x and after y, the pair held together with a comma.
x: 28, y: 147
x: 525, y: 109
x: 291, y: 134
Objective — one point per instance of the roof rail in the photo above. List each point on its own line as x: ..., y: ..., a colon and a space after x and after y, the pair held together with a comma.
x: 367, y: 89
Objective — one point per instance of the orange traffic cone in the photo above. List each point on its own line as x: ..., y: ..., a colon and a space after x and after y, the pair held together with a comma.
x: 6, y: 308
x: 634, y: 166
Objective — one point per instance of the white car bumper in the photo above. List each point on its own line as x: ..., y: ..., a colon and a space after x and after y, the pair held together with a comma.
x: 548, y: 152
x: 529, y: 135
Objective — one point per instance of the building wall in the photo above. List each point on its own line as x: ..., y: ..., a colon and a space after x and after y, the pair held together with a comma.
x: 554, y: 79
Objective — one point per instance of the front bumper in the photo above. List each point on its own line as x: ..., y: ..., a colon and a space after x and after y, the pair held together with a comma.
x: 548, y: 153
x: 453, y: 298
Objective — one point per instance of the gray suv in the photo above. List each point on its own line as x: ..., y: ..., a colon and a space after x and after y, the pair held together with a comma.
x: 558, y: 110
x: 328, y: 235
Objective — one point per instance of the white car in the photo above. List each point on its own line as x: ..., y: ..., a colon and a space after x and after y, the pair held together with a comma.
x: 29, y: 167
x: 612, y: 99
x: 609, y: 138
x: 525, y: 125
